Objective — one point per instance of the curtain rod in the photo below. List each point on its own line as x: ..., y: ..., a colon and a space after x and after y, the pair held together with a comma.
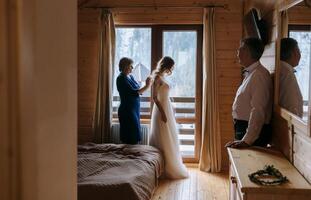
x: 225, y: 6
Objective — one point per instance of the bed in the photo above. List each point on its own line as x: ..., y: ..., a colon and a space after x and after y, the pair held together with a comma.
x: 118, y: 171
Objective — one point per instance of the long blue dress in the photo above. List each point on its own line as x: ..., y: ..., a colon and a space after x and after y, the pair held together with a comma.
x: 128, y: 112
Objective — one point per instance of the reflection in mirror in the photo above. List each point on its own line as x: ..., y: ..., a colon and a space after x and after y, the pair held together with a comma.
x: 302, y: 34
x: 290, y: 93
x: 295, y: 66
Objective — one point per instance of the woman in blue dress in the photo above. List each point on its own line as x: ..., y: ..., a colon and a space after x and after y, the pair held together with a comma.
x: 129, y: 109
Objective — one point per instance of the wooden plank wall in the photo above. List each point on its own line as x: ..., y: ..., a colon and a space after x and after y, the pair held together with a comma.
x: 128, y: 16
x: 299, y: 14
x: 228, y: 35
x: 88, y: 51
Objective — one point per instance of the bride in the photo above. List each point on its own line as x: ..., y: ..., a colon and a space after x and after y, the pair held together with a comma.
x: 163, y: 125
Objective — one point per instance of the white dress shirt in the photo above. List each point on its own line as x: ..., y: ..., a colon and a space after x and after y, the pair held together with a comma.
x: 290, y: 94
x: 253, y: 101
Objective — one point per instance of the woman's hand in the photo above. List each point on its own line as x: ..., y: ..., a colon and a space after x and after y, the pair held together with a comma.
x: 148, y: 81
x: 146, y: 86
x: 237, y: 144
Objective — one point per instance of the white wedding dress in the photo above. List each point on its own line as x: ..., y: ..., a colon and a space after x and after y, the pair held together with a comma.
x: 164, y: 135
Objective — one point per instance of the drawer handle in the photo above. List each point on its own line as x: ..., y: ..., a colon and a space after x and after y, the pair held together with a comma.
x: 233, y: 180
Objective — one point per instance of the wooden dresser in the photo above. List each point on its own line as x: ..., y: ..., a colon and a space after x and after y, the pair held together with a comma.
x: 247, y: 161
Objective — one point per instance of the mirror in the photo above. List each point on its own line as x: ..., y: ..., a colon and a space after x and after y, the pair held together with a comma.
x: 295, y: 60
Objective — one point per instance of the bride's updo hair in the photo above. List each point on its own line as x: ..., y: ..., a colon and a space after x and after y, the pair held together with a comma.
x: 164, y: 65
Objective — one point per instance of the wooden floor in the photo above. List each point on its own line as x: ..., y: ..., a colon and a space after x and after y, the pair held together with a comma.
x: 199, y: 186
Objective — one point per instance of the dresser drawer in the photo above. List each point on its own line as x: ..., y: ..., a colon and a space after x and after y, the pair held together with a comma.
x: 235, y: 189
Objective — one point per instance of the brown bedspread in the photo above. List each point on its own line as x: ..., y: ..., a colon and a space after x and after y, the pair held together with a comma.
x: 117, y: 171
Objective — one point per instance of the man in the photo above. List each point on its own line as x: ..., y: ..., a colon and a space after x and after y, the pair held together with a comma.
x: 290, y: 94
x: 252, y: 106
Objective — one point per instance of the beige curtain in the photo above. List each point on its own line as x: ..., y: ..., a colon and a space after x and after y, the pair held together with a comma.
x: 103, y: 114
x: 210, y: 157
x: 284, y: 24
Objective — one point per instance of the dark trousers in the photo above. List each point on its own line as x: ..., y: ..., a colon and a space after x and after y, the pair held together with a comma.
x: 240, y: 127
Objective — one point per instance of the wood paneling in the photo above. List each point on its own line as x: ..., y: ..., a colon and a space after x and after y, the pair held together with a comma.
x: 88, y: 63
x: 155, y: 3
x: 161, y: 11
x: 175, y: 15
x: 282, y: 135
x: 228, y: 35
x: 302, y: 154
x: 158, y: 15
x: 299, y: 14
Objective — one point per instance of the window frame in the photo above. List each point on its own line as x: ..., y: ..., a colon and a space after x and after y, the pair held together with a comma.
x: 301, y: 27
x: 158, y: 33
x: 145, y: 119
x: 298, y: 27
x: 156, y: 53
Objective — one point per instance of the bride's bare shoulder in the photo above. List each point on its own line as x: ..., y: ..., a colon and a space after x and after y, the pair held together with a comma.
x: 158, y: 80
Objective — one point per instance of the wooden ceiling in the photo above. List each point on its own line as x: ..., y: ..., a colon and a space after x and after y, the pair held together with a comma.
x: 177, y: 3
x: 152, y: 3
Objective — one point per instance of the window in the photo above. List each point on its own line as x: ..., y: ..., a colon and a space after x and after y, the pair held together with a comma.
x: 302, y: 33
x: 134, y: 43
x: 181, y: 45
x: 146, y: 45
